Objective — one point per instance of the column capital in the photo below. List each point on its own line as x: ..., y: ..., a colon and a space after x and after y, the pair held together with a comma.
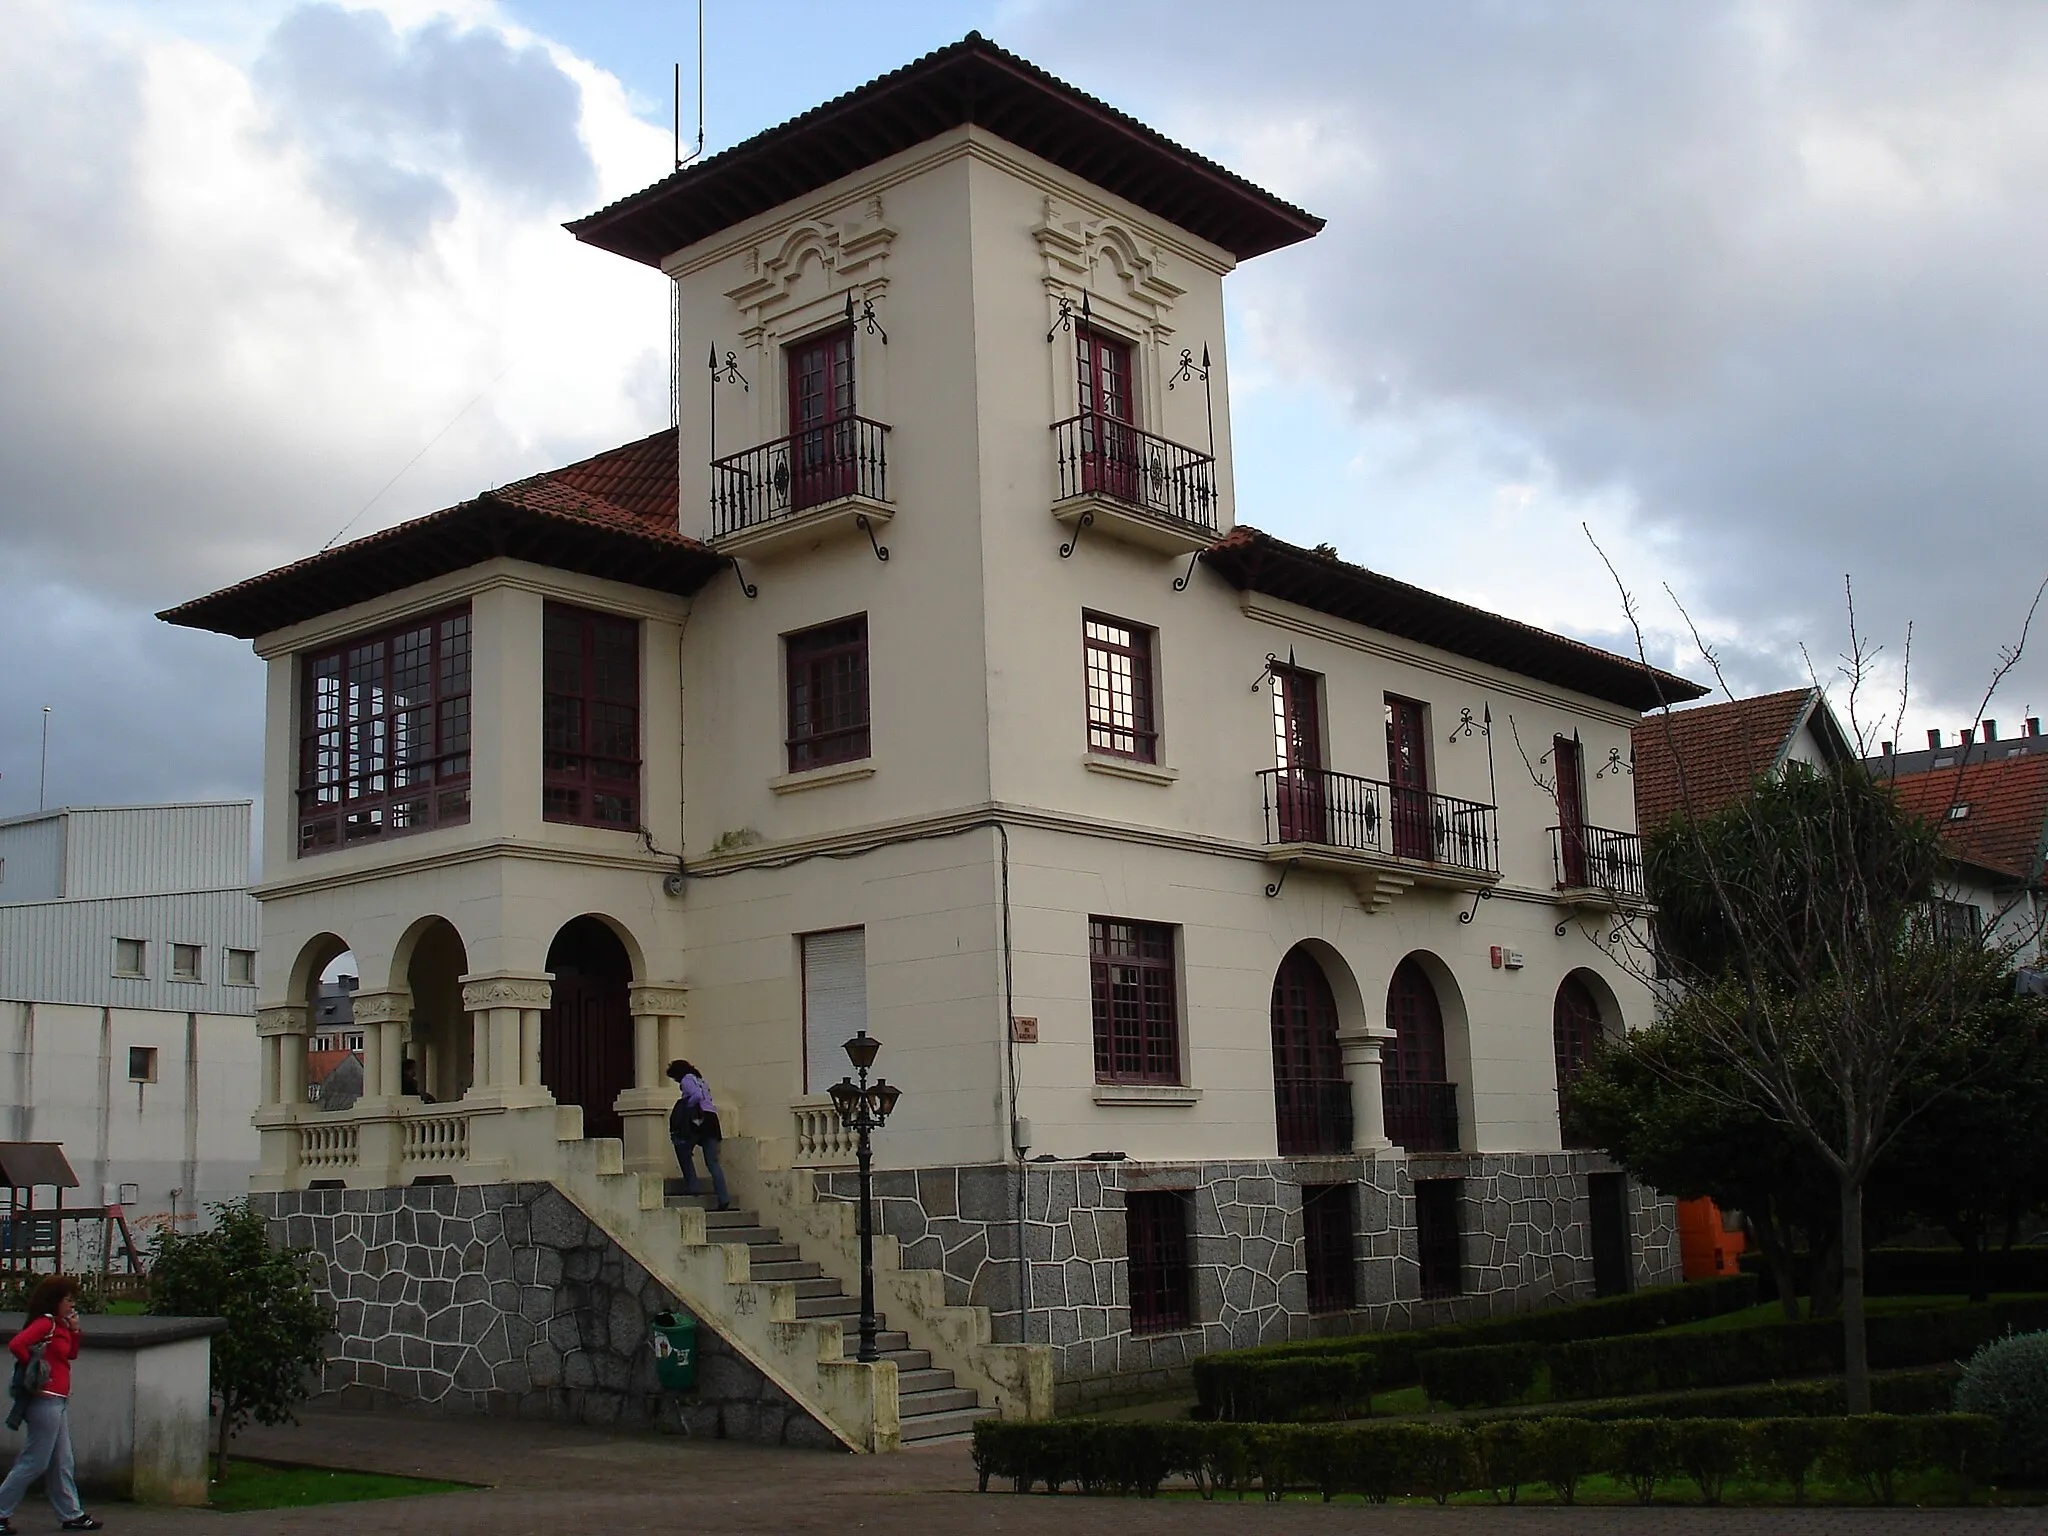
x: 508, y: 989
x: 282, y: 1019
x: 669, y: 999
x: 381, y: 1007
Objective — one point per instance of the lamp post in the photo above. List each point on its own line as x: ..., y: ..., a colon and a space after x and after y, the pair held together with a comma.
x: 863, y: 1108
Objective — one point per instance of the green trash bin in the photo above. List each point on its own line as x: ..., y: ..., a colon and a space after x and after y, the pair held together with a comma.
x: 675, y: 1351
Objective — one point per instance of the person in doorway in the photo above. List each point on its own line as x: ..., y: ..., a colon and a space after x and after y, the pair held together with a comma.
x: 409, y: 1082
x: 694, y: 1123
x: 44, y: 1350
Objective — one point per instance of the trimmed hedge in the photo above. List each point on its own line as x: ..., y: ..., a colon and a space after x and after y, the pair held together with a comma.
x: 1491, y: 1376
x: 1931, y: 1271
x: 1924, y: 1391
x: 1243, y: 1385
x: 1387, y: 1458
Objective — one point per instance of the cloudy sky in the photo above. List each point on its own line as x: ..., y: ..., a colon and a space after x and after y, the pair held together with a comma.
x: 1753, y: 290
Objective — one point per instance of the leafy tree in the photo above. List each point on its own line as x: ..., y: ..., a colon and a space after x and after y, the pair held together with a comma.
x: 276, y: 1329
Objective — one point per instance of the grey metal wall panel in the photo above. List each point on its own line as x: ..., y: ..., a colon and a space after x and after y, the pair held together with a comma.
x: 32, y: 860
x: 63, y: 951
x: 134, y: 850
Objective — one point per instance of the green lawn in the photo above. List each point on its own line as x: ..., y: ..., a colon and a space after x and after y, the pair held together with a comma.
x: 261, y: 1485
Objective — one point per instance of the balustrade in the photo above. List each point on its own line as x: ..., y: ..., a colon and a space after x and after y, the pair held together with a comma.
x: 822, y: 1139
x: 848, y: 457
x: 1342, y: 810
x: 324, y: 1147
x: 1099, y: 455
x: 1598, y: 858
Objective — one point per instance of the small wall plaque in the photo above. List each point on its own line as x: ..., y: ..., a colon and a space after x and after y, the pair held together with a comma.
x: 1022, y: 1030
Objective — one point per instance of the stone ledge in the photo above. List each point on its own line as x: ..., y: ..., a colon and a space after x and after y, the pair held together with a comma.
x: 1146, y: 1093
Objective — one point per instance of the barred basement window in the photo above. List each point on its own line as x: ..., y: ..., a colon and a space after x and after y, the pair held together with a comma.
x: 828, y: 694
x: 384, y: 734
x: 590, y: 718
x: 1131, y: 986
x: 1120, y: 691
x: 1156, y: 1229
x: 1327, y: 1242
x: 1439, y: 1236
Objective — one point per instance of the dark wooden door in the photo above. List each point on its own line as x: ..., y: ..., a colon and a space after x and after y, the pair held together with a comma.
x: 586, y: 1038
x: 1574, y: 1026
x: 1408, y: 779
x: 1421, y: 1103
x: 1571, y: 811
x: 1109, y: 442
x: 1607, y: 1217
x: 1312, y: 1101
x: 1298, y: 752
x: 821, y: 446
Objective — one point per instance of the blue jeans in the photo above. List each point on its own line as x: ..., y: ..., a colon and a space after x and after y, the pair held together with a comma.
x: 47, y: 1449
x: 683, y: 1144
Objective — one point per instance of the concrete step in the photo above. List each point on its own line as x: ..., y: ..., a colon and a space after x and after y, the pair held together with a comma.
x: 927, y: 1379
x: 935, y: 1426
x: 906, y: 1359
x: 839, y: 1305
x: 751, y: 1236
x: 781, y: 1269
x: 815, y: 1285
x: 887, y: 1339
x: 774, y: 1253
x: 934, y: 1400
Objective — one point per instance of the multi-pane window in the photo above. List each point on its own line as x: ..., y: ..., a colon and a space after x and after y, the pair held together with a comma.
x: 185, y: 962
x: 1327, y: 1241
x: 1120, y: 692
x: 590, y: 717
x: 828, y: 694
x: 1156, y: 1228
x: 384, y: 734
x: 1440, y: 1237
x: 1957, y: 922
x: 1137, y: 1018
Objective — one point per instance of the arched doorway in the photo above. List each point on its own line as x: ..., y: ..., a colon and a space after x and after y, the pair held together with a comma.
x: 1574, y: 1028
x: 438, y: 1048
x: 1312, y: 1101
x: 1421, y: 1101
x: 586, y: 1038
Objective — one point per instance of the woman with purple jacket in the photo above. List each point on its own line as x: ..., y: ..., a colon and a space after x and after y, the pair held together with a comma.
x: 694, y: 1123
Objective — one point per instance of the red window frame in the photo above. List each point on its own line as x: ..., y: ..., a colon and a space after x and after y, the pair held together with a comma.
x: 1329, y: 1237
x: 384, y: 733
x: 1109, y: 413
x: 1408, y: 778
x: 1117, y: 656
x: 1156, y: 1242
x: 1133, y: 994
x: 590, y: 718
x: 827, y: 673
x: 821, y: 414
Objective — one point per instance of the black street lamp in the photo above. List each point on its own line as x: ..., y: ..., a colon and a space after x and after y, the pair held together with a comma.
x: 863, y: 1108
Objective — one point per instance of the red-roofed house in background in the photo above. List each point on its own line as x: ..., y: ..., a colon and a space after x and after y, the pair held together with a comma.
x: 1722, y: 749
x: 922, y: 679
x: 1993, y: 816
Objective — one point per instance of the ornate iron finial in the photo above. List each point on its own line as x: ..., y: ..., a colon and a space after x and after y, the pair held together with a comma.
x: 1468, y: 726
x: 866, y: 317
x: 728, y: 372
x: 1615, y: 765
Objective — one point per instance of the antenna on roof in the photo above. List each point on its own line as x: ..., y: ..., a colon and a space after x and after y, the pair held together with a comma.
x: 681, y: 159
x: 675, y: 306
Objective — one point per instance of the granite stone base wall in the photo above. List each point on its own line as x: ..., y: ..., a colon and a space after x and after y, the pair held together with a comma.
x: 505, y: 1299
x: 1525, y: 1244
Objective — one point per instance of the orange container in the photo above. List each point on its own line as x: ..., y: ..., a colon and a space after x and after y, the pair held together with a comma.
x: 1709, y: 1242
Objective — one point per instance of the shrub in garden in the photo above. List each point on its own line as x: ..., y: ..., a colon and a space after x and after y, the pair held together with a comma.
x: 1709, y: 1451
x: 1784, y: 1450
x: 1565, y: 1452
x: 1441, y: 1460
x: 1501, y: 1453
x: 1873, y: 1448
x: 1639, y: 1454
x: 2008, y: 1381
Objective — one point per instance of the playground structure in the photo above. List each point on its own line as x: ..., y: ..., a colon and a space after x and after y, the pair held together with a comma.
x: 32, y: 1233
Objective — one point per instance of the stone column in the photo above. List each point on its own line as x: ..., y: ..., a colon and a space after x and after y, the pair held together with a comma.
x: 1368, y: 1104
x: 281, y: 1031
x: 385, y: 1019
x: 659, y: 1008
x: 505, y: 1009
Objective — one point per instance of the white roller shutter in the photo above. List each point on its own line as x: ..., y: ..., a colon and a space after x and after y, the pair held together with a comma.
x: 835, y: 1002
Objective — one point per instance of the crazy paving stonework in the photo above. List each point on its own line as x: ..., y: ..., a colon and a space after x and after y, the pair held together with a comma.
x: 1525, y: 1243
x: 505, y: 1299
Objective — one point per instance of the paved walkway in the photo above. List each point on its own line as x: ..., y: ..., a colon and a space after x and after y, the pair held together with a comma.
x: 550, y: 1480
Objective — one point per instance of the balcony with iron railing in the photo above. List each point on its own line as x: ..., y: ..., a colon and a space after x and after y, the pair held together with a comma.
x: 1421, y: 1117
x: 1598, y: 864
x: 1133, y: 485
x: 797, y: 489
x: 1314, y: 1115
x: 1385, y: 836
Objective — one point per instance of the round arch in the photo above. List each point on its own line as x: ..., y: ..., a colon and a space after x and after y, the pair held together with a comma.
x: 1583, y: 1012
x: 428, y: 966
x: 586, y: 1035
x: 1311, y: 1098
x: 1425, y: 1069
x: 314, y: 956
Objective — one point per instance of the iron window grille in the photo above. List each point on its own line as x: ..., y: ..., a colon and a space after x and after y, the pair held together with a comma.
x: 1574, y: 1027
x: 1120, y: 688
x: 1328, y: 1238
x: 1439, y: 1237
x: 1133, y: 996
x: 1156, y: 1230
x: 828, y: 694
x: 384, y: 743
x: 590, y: 718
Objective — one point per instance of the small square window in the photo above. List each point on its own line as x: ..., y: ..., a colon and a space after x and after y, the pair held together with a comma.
x: 141, y: 1063
x: 241, y: 968
x: 131, y: 1194
x: 184, y: 962
x: 131, y: 957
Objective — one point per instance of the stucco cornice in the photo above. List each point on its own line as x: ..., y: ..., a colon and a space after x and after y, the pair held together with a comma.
x: 437, y: 859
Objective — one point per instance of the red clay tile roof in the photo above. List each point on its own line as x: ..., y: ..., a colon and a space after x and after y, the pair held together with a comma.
x: 971, y: 81
x: 611, y: 515
x: 1256, y: 561
x: 1725, y: 747
x: 2006, y: 811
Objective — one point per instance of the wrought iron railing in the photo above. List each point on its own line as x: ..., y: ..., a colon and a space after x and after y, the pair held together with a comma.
x: 1421, y: 1117
x: 849, y: 457
x: 1342, y: 810
x: 1314, y: 1115
x: 1598, y: 858
x: 1100, y: 455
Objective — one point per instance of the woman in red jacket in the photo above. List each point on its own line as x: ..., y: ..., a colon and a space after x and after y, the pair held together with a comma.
x: 52, y: 1324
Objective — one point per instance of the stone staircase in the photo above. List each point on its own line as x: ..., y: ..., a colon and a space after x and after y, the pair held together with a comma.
x: 930, y: 1405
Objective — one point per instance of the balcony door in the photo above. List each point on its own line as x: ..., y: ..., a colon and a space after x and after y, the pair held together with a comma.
x: 1312, y: 1101
x: 1421, y: 1102
x: 1109, y: 414
x: 1298, y: 753
x: 1408, y: 779
x: 821, y: 441
x: 1571, y: 811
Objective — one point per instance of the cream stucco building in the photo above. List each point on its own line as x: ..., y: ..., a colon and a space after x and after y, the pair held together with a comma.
x: 1224, y: 909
